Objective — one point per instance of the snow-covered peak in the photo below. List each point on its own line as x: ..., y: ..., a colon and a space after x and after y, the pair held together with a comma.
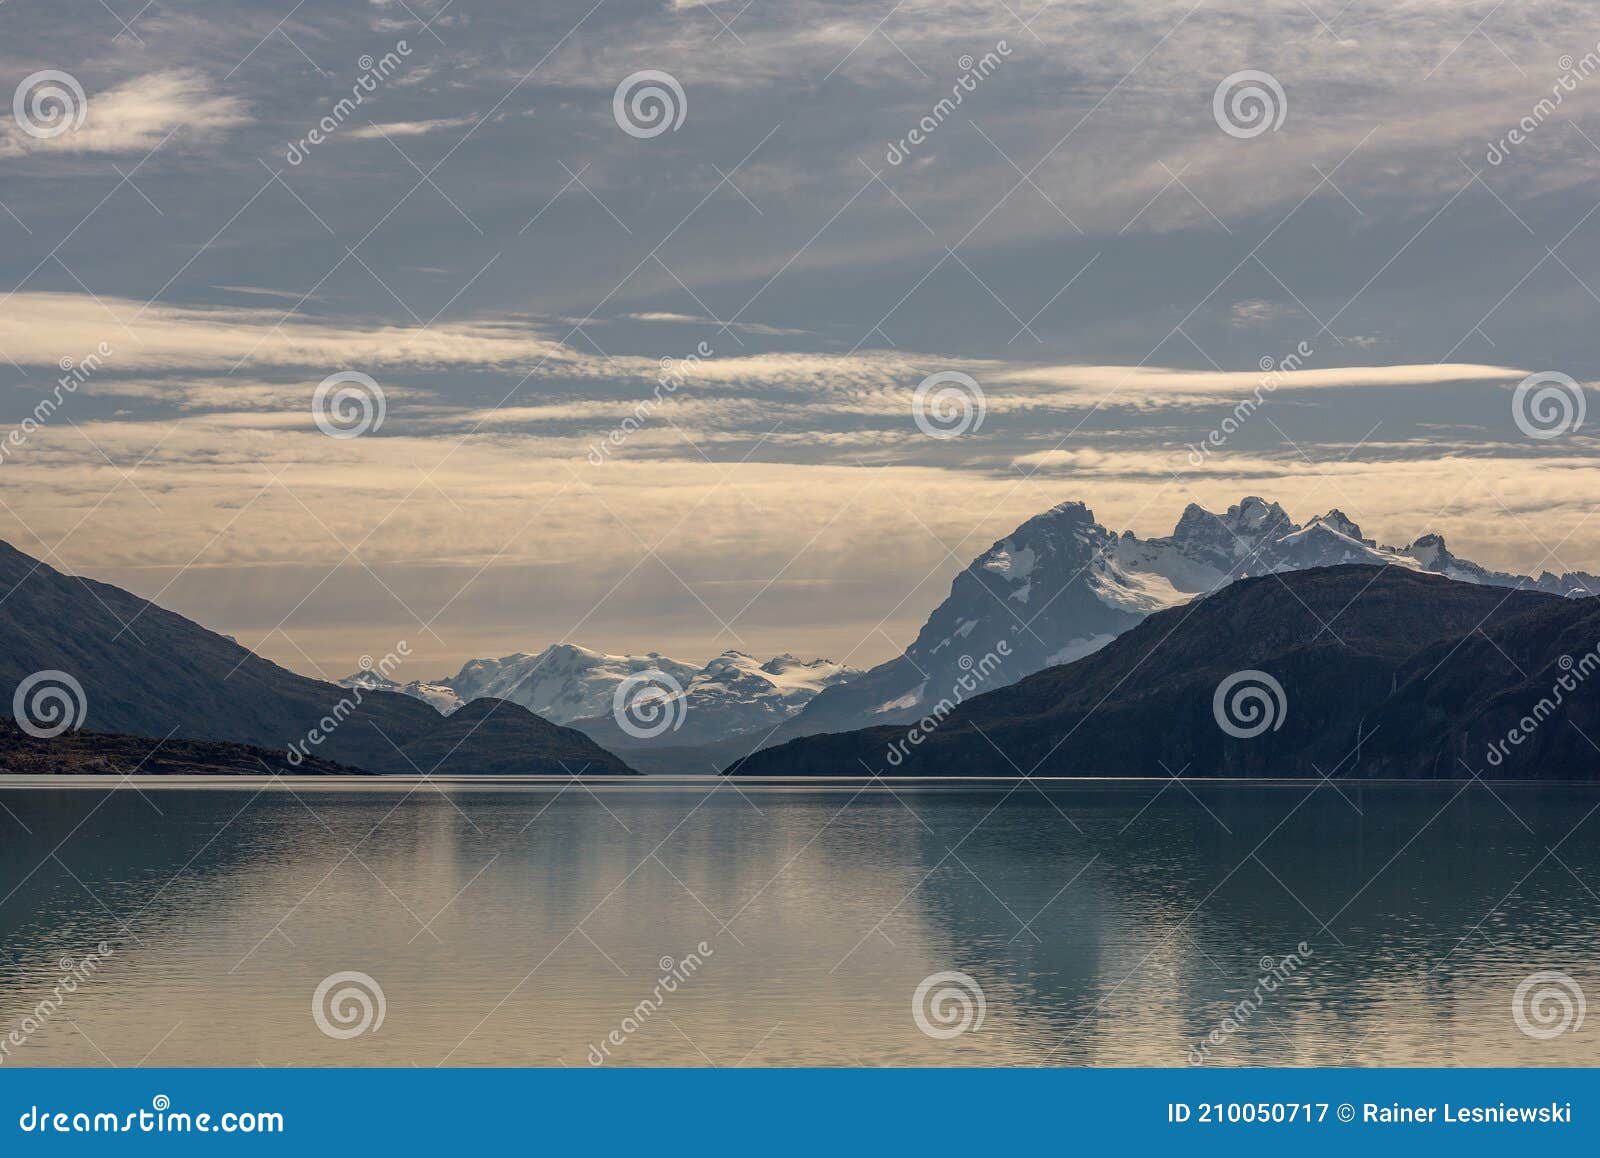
x: 562, y: 683
x: 737, y: 678
x: 437, y: 696
x: 1338, y: 521
x: 1011, y: 561
x: 1061, y: 585
x: 569, y: 684
x: 1430, y: 552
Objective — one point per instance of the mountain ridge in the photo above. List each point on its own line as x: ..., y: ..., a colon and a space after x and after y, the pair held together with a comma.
x: 731, y: 694
x: 1061, y: 586
x: 1378, y: 672
x: 145, y: 671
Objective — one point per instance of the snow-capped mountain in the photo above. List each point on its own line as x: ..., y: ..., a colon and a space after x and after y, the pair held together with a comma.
x: 437, y: 696
x: 563, y: 682
x: 567, y: 684
x: 733, y: 694
x: 1062, y: 586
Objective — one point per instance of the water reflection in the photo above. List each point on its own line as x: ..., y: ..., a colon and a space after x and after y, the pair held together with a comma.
x: 1108, y: 924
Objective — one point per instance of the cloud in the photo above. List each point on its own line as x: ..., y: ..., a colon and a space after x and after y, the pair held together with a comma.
x: 135, y: 117
x: 1149, y: 385
x: 1257, y: 312
x: 41, y: 328
x: 376, y: 132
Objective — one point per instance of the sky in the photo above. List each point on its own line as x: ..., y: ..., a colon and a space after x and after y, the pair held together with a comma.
x: 626, y: 305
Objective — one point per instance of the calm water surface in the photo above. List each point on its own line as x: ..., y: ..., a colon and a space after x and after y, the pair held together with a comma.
x: 1106, y: 924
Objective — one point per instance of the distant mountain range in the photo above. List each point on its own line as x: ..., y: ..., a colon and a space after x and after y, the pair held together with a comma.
x: 1061, y: 586
x: 146, y: 672
x: 732, y: 695
x: 1346, y: 672
x: 1056, y: 589
x: 1057, y: 592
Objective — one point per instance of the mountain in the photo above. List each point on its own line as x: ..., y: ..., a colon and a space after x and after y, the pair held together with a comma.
x: 145, y: 671
x: 1380, y: 671
x: 562, y: 683
x: 724, y: 704
x: 515, y: 732
x: 108, y: 754
x: 733, y: 694
x: 440, y: 697
x: 1061, y: 586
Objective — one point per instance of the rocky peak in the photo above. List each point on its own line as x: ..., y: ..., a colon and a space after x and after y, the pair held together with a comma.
x: 1337, y: 520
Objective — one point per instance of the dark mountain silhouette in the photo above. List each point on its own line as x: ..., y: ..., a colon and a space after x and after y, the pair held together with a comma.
x: 1062, y: 585
x: 110, y: 754
x: 1384, y: 671
x: 146, y: 671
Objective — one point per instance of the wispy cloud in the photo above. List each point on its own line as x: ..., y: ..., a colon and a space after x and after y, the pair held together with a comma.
x: 136, y: 116
x: 375, y: 131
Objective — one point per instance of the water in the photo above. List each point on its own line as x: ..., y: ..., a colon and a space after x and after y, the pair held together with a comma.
x: 1106, y: 924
